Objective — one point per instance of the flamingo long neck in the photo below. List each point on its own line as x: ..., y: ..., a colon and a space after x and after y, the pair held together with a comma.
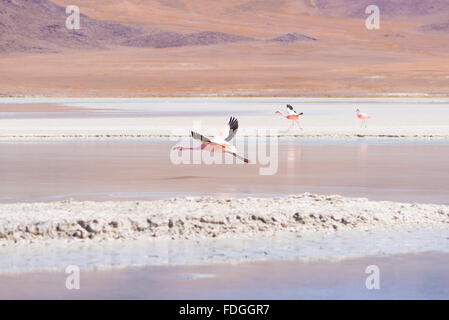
x: 284, y: 115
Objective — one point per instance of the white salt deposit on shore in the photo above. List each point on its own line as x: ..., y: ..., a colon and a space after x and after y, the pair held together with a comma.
x: 262, y: 126
x: 198, y: 231
x: 199, y: 218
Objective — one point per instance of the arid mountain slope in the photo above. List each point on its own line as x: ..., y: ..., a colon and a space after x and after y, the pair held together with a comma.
x: 224, y: 47
x: 256, y: 18
x: 39, y: 26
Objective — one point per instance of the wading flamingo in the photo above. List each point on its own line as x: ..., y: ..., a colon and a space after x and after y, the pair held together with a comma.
x: 363, y: 117
x: 291, y: 115
x: 220, y: 142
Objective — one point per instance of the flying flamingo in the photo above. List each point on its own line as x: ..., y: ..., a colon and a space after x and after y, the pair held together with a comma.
x: 291, y: 115
x: 363, y: 117
x: 220, y: 142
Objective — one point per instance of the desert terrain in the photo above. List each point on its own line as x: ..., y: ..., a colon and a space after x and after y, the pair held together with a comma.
x: 224, y: 48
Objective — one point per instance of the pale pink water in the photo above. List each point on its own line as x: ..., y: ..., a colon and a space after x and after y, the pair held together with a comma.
x: 142, y: 170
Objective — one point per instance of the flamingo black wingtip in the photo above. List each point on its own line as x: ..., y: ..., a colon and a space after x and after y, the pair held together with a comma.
x: 233, y: 123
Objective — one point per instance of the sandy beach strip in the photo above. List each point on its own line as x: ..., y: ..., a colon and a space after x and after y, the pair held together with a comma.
x: 142, y: 127
x: 199, y: 218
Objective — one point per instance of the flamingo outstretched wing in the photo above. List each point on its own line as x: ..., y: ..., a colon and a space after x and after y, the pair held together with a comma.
x: 291, y: 111
x: 200, y: 137
x: 229, y: 131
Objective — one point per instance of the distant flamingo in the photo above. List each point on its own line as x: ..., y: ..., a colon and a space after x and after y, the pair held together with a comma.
x: 291, y: 115
x: 363, y: 117
x: 220, y: 142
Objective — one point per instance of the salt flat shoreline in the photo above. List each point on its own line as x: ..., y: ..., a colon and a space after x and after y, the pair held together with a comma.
x: 140, y: 128
x: 102, y: 118
x: 283, y: 135
x: 206, y: 217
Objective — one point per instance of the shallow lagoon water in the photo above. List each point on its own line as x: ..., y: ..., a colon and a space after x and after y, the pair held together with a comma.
x: 141, y: 169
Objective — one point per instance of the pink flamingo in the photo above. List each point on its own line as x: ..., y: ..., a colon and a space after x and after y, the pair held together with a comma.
x: 220, y: 142
x: 291, y: 115
x: 363, y: 117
